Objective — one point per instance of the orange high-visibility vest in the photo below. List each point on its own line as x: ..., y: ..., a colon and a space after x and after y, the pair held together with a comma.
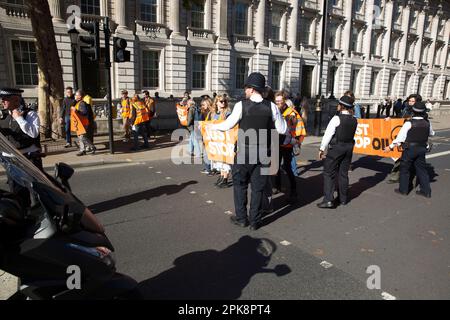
x: 141, y: 112
x: 182, y: 112
x: 149, y: 104
x: 126, y: 108
x: 295, y: 130
x: 83, y: 118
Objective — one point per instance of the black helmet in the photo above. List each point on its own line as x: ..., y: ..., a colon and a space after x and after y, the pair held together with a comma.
x: 256, y: 81
x: 347, y: 102
x: 419, y: 107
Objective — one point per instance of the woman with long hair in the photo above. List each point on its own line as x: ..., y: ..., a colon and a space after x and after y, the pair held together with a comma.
x: 223, y: 111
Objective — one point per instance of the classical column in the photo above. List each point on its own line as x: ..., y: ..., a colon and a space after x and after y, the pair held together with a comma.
x: 121, y: 17
x: 312, y: 35
x: 222, y: 19
x: 175, y: 16
x: 293, y: 22
x: 260, y: 22
x: 55, y: 10
x: 208, y: 11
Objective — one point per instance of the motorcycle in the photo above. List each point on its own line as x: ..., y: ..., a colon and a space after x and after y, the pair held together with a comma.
x: 55, y: 245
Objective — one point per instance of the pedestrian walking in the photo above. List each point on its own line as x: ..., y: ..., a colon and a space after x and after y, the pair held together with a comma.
x: 150, y: 104
x: 255, y: 117
x: 413, y: 137
x: 64, y: 116
x: 339, y: 139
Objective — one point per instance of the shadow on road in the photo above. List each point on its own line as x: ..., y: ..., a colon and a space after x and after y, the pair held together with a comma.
x: 143, y: 195
x: 212, y: 274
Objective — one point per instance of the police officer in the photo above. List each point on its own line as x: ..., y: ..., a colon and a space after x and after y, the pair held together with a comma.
x: 20, y: 125
x: 413, y: 136
x: 339, y: 138
x: 253, y: 114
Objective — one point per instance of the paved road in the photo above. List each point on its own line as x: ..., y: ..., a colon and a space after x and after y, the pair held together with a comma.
x: 171, y: 231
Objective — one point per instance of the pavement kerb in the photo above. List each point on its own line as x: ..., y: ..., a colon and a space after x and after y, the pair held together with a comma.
x: 83, y: 164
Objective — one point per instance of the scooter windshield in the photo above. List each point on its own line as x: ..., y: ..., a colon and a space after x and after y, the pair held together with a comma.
x: 18, y: 167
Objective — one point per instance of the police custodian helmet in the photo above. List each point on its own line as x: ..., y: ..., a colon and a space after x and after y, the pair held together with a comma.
x: 8, y: 92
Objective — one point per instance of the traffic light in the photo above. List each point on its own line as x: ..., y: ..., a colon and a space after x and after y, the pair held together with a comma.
x: 120, y: 54
x: 93, y: 51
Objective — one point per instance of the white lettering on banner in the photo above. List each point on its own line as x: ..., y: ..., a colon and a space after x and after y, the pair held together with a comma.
x: 362, y: 127
x: 362, y: 142
x: 221, y: 148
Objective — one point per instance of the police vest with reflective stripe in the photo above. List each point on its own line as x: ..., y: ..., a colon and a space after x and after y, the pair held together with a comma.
x: 345, y: 132
x: 11, y: 130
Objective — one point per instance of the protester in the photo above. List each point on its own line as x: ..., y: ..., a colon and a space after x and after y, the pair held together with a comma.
x: 195, y: 114
x: 398, y: 108
x: 138, y: 119
x: 295, y: 135
x: 150, y: 104
x: 208, y: 108
x: 357, y: 107
x: 125, y: 104
x: 84, y: 112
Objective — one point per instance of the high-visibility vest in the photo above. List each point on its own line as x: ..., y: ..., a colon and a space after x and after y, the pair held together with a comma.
x: 295, y: 130
x: 83, y: 118
x: 182, y: 112
x: 149, y: 103
x: 141, y: 112
x: 88, y: 99
x: 126, y: 108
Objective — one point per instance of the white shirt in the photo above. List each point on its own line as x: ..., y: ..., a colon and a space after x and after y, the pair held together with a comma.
x: 401, y: 137
x: 331, y: 130
x: 236, y: 116
x: 29, y: 126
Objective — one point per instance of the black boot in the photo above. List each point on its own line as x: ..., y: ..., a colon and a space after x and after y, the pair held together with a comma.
x: 219, y: 181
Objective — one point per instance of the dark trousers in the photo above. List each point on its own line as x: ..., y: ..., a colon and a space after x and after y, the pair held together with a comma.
x: 148, y: 128
x: 140, y: 131
x: 337, y: 162
x: 67, y: 129
x: 414, y: 157
x: 286, y: 157
x: 243, y: 174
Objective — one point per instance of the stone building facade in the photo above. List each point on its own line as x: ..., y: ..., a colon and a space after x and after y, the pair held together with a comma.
x: 383, y: 47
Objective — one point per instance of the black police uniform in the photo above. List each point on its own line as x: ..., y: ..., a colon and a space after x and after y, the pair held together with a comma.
x: 255, y: 116
x: 339, y: 158
x: 415, y: 148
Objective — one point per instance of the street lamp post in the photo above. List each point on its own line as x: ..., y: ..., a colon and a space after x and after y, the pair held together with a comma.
x: 73, y: 33
x: 419, y: 74
x: 333, y: 64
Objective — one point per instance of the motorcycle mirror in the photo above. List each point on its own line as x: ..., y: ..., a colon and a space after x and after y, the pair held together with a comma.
x: 63, y: 171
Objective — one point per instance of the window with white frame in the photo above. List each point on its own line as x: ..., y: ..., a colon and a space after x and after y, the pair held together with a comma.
x: 90, y: 7
x: 241, y: 72
x: 396, y: 11
x: 305, y: 29
x: 441, y: 27
x: 332, y: 35
x: 354, y: 80
x: 198, y: 15
x: 240, y: 22
x: 25, y: 63
x: 410, y: 51
x: 149, y: 10
x: 199, y: 71
x: 425, y: 53
x: 391, y: 85
x: 358, y: 5
x: 413, y: 19
x: 150, y: 69
x: 407, y: 85
x: 354, y: 40
x: 276, y: 25
x: 428, y: 23
x: 437, y: 57
x: 276, y: 67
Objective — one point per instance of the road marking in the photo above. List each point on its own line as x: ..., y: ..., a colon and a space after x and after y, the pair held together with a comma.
x: 387, y: 296
x: 228, y: 212
x: 168, y: 178
x: 192, y: 192
x: 285, y: 243
x: 150, y: 167
x: 326, y: 264
x: 439, y: 154
x: 158, y: 172
x: 209, y: 202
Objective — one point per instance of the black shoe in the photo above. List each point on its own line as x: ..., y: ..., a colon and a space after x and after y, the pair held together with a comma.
x: 399, y: 192
x: 392, y: 181
x: 223, y: 183
x: 326, y: 205
x: 235, y: 221
x: 211, y: 173
x: 275, y: 191
x: 81, y: 153
x: 423, y: 194
x: 219, y: 181
x: 344, y: 203
x: 255, y: 226
x: 68, y: 145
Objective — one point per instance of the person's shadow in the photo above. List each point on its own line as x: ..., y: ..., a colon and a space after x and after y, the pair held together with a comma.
x: 143, y: 195
x: 211, y: 274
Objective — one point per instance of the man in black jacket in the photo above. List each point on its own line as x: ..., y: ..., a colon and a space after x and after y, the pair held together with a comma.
x: 69, y: 101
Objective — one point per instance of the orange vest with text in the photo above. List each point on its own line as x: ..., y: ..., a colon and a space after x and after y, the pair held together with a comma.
x: 142, y: 114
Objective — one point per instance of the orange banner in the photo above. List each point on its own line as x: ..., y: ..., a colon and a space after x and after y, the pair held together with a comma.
x: 373, y: 135
x: 76, y: 125
x: 219, y: 145
x: 182, y: 112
